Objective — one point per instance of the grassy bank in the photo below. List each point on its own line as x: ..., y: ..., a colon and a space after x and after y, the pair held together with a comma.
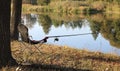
x: 64, y: 56
x: 75, y: 7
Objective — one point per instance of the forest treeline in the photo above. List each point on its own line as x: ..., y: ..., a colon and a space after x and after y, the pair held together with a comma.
x: 45, y: 2
x: 74, y: 6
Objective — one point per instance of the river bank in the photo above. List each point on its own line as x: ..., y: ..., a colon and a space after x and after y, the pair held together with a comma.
x: 75, y: 7
x: 64, y: 56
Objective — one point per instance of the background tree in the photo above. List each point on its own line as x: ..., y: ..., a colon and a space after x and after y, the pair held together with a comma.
x: 33, y: 2
x: 43, y: 2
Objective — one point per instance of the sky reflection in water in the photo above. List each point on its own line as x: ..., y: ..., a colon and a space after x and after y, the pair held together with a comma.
x: 81, y: 42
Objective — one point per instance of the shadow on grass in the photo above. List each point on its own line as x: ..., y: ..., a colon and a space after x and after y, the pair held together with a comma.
x: 35, y: 67
x: 103, y: 59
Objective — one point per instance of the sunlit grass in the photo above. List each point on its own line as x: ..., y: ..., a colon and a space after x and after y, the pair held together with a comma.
x: 8, y: 68
x: 64, y: 56
x: 75, y: 7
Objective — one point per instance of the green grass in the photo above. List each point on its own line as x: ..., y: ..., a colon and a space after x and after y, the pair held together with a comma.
x: 64, y: 56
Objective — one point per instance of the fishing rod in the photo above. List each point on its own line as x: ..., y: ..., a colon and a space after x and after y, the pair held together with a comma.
x: 56, y: 37
x: 68, y: 35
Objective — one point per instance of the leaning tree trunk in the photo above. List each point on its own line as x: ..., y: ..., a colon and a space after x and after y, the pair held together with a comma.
x: 15, y: 18
x: 5, y: 51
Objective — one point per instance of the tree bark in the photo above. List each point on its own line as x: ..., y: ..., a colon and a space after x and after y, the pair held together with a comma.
x: 5, y: 51
x: 15, y: 19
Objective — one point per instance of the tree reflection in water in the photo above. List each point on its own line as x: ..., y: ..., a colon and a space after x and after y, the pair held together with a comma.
x: 109, y: 28
x: 106, y: 25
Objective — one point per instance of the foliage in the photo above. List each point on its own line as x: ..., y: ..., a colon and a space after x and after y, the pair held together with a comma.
x: 98, y: 5
x: 71, y: 6
x: 43, y: 2
x: 33, y: 2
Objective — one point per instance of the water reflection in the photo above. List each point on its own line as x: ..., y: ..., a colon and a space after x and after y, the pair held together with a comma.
x: 45, y: 22
x: 30, y: 19
x: 106, y: 27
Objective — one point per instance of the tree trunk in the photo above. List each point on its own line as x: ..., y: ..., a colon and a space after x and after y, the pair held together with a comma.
x: 5, y: 51
x: 15, y: 19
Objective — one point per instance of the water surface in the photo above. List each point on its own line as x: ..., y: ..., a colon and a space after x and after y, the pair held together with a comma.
x: 106, y: 38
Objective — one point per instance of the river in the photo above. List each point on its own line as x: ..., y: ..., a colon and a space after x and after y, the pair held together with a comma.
x: 106, y: 37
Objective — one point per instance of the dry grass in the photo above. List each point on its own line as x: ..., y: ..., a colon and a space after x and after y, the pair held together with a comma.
x: 64, y: 56
x: 74, y: 7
